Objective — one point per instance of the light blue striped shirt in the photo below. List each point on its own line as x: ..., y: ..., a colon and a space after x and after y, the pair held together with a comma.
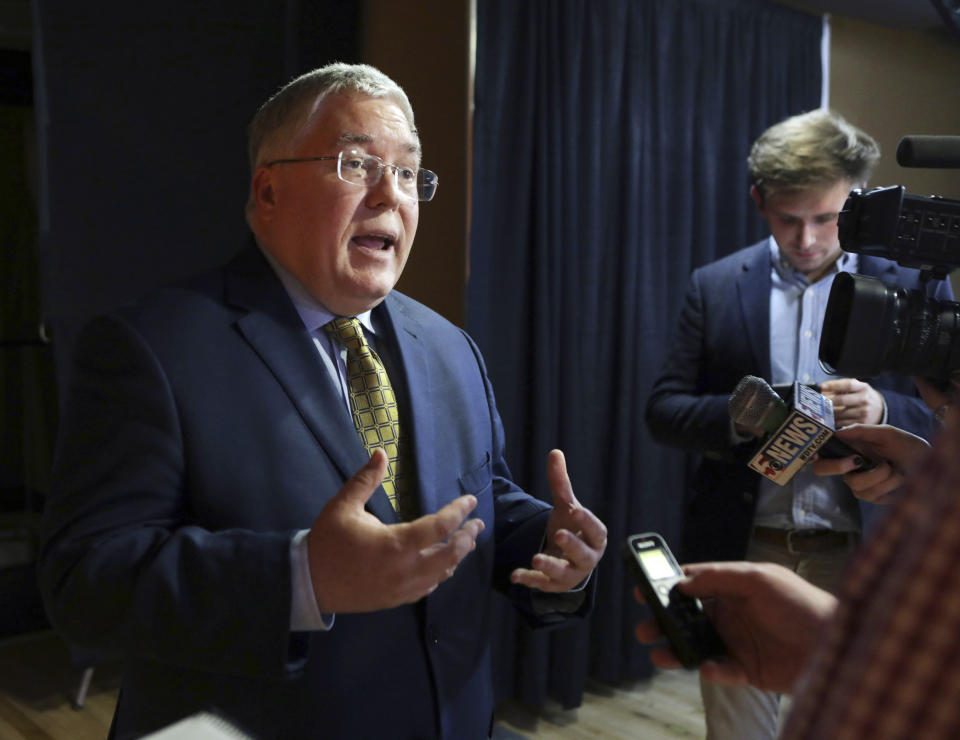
x: 797, y: 308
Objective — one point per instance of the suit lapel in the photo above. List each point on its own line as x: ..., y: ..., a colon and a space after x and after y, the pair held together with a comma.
x: 753, y: 291
x: 413, y: 358
x: 272, y: 327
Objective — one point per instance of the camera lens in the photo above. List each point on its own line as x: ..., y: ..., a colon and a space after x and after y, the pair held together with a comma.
x: 870, y: 328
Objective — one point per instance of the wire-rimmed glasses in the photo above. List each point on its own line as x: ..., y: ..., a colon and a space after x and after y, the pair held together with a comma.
x: 356, y: 167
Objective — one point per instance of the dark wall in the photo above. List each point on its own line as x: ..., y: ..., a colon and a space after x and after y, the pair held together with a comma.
x: 141, y: 117
x: 427, y: 50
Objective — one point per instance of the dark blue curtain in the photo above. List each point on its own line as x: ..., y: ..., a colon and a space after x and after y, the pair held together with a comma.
x: 610, y: 139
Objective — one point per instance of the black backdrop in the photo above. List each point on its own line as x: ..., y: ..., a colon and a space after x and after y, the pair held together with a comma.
x: 610, y: 140
x: 141, y: 109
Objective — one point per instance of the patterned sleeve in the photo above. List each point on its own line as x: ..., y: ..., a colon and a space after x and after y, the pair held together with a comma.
x: 889, y: 666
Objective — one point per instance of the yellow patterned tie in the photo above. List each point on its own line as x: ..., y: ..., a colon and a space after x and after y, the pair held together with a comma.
x: 374, y: 407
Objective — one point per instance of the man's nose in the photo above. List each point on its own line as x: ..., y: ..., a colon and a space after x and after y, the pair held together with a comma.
x: 386, y: 191
x: 806, y: 236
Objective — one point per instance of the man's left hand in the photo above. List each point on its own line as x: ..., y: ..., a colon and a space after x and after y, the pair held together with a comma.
x: 575, y: 538
x: 854, y: 402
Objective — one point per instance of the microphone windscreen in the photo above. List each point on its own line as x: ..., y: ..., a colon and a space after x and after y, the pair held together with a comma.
x: 755, y: 404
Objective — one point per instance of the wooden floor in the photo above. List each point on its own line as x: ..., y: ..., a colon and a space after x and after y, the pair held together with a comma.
x: 664, y: 708
x: 37, y: 685
x: 38, y: 681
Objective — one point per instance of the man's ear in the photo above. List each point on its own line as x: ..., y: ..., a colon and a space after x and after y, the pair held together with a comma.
x: 758, y: 199
x: 263, y: 190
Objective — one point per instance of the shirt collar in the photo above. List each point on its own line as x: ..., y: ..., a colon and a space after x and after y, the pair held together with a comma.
x: 846, y: 262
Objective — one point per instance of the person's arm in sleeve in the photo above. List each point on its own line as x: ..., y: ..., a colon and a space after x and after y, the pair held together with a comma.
x: 121, y: 568
x: 679, y: 412
x: 544, y: 557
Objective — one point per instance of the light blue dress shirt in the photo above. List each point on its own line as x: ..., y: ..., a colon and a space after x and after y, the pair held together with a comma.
x: 797, y: 308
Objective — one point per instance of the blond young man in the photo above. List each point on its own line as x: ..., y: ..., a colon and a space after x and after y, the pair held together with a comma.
x: 759, y: 311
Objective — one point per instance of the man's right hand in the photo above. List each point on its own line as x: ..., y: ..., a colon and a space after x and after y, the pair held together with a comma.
x: 360, y: 564
x: 770, y: 619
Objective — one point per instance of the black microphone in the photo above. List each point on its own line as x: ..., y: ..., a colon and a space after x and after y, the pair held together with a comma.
x: 929, y: 151
x: 793, y: 434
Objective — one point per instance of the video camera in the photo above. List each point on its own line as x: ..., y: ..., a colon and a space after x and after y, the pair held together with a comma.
x: 870, y: 327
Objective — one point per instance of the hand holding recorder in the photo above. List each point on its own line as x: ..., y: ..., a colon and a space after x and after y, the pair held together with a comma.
x: 679, y: 617
x: 769, y: 618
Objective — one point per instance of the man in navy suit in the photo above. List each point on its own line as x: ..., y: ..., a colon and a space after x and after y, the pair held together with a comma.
x: 759, y: 311
x: 216, y: 520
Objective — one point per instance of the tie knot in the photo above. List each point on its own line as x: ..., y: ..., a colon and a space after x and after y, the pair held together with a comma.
x: 349, y: 331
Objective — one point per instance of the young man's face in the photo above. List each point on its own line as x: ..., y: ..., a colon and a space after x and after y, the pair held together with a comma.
x: 804, y: 225
x: 345, y: 243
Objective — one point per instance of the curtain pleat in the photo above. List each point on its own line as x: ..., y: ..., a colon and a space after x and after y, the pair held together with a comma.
x: 610, y: 143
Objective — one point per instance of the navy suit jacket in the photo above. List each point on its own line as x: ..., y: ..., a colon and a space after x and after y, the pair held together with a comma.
x: 723, y: 334
x: 199, y: 432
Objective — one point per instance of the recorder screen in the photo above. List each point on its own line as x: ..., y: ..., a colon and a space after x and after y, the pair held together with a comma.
x: 656, y: 564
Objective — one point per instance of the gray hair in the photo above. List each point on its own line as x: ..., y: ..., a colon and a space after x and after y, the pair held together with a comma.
x: 811, y: 149
x: 284, y: 113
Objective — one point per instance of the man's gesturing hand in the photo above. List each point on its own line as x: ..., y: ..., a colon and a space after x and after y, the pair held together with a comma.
x: 360, y: 564
x: 575, y: 538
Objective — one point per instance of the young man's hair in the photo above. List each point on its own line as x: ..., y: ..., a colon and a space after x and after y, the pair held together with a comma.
x: 811, y: 150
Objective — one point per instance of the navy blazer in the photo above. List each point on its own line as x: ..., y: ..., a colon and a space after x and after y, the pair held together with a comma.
x: 200, y: 431
x: 723, y: 334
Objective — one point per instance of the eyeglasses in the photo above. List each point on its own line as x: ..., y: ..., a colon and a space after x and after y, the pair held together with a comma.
x: 366, y: 170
